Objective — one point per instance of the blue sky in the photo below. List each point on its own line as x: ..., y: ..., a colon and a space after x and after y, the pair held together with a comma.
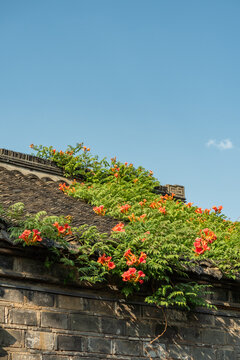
x: 156, y: 83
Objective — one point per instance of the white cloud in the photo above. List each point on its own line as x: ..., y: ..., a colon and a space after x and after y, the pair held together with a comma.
x: 221, y: 145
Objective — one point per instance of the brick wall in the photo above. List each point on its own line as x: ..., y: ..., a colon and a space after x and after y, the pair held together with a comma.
x: 41, y: 319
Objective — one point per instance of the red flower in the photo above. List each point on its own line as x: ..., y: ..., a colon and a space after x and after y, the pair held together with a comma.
x: 119, y: 228
x: 106, y: 261
x: 30, y: 236
x: 63, y: 187
x: 153, y: 205
x: 162, y: 210
x: 63, y: 230
x: 201, y: 246
x: 217, y: 210
x: 124, y: 208
x: 133, y: 276
x: 132, y: 259
x: 198, y: 211
x: 99, y: 210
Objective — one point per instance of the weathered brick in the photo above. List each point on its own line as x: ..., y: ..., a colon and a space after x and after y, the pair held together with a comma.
x: 18, y: 356
x: 70, y: 302
x: 214, y: 337
x: 9, y: 337
x: 171, y: 335
x: 220, y: 295
x: 235, y: 296
x: 57, y: 357
x: 54, y: 320
x: 31, y: 266
x: 85, y: 323
x: 40, y: 340
x: 113, y: 326
x: 12, y: 295
x: 127, y: 347
x: 155, y: 350
x: 70, y: 343
x: 40, y: 298
x: 199, y: 319
x: 6, y: 262
x: 179, y: 352
x: 2, y: 314
x: 201, y: 353
x: 25, y: 317
x: 138, y: 328
x: 127, y: 310
x: 96, y: 344
x: 233, y: 337
x: 226, y: 355
x: 152, y: 312
x: 100, y: 307
x: 190, y: 335
x: 176, y: 315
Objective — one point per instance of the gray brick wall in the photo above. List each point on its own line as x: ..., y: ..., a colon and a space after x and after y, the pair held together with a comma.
x: 45, y: 321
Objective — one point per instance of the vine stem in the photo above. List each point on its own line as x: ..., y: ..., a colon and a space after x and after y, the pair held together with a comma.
x: 165, y: 328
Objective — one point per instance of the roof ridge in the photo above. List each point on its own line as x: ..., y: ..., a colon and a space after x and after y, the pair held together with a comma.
x: 29, y: 161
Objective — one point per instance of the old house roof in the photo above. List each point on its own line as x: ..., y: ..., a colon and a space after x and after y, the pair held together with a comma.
x: 34, y: 182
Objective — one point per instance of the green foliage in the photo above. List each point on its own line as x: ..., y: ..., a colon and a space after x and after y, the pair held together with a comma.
x: 159, y: 226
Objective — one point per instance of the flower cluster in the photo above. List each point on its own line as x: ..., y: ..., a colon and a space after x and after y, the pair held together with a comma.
x: 99, y: 210
x: 217, y: 209
x: 119, y: 228
x: 63, y: 187
x: 134, y: 276
x: 106, y: 261
x: 30, y: 236
x: 124, y: 208
x: 201, y: 243
x: 162, y: 210
x: 63, y: 230
x: 132, y: 259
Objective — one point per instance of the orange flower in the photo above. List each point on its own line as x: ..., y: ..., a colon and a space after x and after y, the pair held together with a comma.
x: 153, y: 205
x: 63, y: 187
x: 31, y: 146
x: 63, y: 230
x: 88, y: 149
x: 106, y: 261
x: 162, y: 210
x: 132, y: 217
x: 124, y: 208
x: 119, y: 228
x: 142, y: 203
x: 132, y: 275
x: 30, y: 236
x: 135, y: 180
x: 142, y: 217
x: 132, y: 259
x: 99, y: 210
x: 217, y: 210
x: 189, y: 204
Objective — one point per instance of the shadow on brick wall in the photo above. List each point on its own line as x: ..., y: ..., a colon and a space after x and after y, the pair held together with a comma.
x: 6, y: 340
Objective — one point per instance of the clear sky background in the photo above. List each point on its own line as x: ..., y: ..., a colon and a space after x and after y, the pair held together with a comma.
x: 154, y: 82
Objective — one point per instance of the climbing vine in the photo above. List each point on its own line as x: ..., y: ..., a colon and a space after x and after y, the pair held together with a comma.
x: 158, y: 238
